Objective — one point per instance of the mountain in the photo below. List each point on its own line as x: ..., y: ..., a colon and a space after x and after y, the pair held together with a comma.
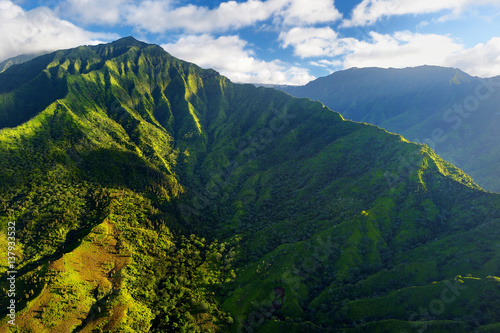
x: 454, y: 113
x: 16, y: 61
x: 150, y: 195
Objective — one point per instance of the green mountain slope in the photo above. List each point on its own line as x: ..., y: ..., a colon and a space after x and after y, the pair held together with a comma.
x: 4, y: 65
x: 149, y: 194
x: 452, y: 112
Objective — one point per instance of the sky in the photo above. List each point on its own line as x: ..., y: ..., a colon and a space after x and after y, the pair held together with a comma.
x: 270, y: 41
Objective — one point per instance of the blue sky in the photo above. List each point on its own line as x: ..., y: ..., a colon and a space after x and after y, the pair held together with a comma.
x: 270, y: 41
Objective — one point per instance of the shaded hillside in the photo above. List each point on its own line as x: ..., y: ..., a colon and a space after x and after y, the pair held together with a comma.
x: 4, y: 65
x: 152, y: 195
x: 454, y: 113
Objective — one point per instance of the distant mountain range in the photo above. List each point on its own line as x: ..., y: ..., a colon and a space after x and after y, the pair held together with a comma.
x: 16, y: 61
x: 150, y: 195
x: 456, y: 114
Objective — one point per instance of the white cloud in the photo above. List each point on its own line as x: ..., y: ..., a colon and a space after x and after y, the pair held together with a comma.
x: 304, y: 12
x: 159, y: 16
x: 327, y: 63
x: 399, y: 50
x: 38, y: 30
x: 107, y: 12
x: 227, y: 54
x: 402, y: 49
x: 482, y: 60
x: 314, y: 42
x: 369, y: 12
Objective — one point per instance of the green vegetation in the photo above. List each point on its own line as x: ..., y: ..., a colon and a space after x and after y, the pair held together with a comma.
x: 151, y: 195
x: 452, y: 112
x: 4, y: 65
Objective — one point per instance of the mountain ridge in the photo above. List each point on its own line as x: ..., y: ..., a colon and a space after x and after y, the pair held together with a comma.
x: 157, y: 196
x: 451, y: 111
x: 19, y: 59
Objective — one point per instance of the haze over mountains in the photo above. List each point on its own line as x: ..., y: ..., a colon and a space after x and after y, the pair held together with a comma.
x: 151, y: 195
x: 456, y: 114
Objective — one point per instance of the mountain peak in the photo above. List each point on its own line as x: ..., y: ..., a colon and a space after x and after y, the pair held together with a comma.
x: 459, y: 77
x: 128, y: 41
x: 121, y: 159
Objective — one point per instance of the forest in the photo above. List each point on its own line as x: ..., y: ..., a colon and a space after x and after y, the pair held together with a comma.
x: 150, y: 195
